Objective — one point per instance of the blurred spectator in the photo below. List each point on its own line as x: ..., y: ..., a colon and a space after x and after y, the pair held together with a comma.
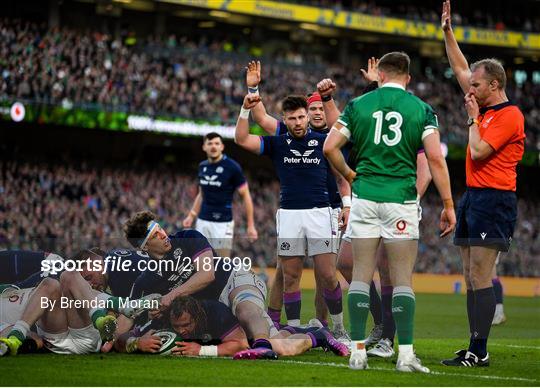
x: 62, y: 209
x: 197, y: 79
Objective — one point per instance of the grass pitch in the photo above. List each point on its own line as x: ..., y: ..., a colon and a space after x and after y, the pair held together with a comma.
x: 441, y: 328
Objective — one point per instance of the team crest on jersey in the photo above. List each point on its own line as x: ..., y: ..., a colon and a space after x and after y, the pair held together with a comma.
x: 313, y: 143
x: 219, y: 170
x: 289, y: 141
x: 177, y: 253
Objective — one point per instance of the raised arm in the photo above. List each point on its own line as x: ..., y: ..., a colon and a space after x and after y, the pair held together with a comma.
x: 242, y: 137
x: 457, y: 60
x: 258, y: 112
x: 439, y: 172
x: 326, y: 89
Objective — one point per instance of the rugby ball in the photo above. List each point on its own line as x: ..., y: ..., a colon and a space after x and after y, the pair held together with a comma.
x: 168, y: 341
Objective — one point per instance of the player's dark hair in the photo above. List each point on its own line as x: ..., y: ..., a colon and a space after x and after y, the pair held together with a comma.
x: 493, y: 69
x: 212, y: 136
x: 396, y: 62
x: 194, y: 308
x: 136, y: 227
x: 292, y: 103
x: 81, y: 256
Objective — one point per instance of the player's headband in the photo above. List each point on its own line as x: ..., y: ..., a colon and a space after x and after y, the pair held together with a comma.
x: 314, y: 97
x: 152, y: 225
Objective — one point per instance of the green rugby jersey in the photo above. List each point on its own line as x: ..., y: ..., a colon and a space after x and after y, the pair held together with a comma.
x: 387, y: 127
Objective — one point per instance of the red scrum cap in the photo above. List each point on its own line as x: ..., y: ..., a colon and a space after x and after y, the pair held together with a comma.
x: 314, y: 98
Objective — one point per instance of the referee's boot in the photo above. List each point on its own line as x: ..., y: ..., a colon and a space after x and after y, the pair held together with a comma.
x: 467, y: 359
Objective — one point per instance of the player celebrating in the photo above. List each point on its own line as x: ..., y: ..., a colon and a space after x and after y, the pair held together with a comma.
x: 219, y: 177
x: 387, y: 127
x: 210, y: 329
x: 317, y: 123
x: 488, y: 209
x: 304, y: 215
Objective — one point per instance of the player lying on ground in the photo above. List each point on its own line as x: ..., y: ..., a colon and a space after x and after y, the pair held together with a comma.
x: 208, y: 328
x: 202, y: 275
x: 317, y: 123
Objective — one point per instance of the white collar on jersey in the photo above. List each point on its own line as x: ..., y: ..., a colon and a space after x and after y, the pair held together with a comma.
x: 393, y: 85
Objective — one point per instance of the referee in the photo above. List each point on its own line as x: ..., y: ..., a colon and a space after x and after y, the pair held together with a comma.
x: 487, y: 211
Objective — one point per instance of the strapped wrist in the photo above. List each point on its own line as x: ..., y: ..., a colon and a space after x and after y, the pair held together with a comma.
x: 326, y: 98
x: 244, y: 113
x: 347, y: 201
x: 253, y: 90
x: 209, y: 351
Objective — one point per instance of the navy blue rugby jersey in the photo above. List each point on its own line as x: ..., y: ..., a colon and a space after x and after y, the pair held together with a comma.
x: 187, y: 245
x: 218, y: 182
x: 301, y: 168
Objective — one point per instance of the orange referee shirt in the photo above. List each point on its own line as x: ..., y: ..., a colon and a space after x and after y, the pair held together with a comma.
x: 502, y: 126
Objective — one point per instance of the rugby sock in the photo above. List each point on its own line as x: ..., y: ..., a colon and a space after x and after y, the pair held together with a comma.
x: 375, y: 304
x: 389, y: 326
x: 484, y: 310
x: 470, y: 314
x: 333, y: 299
x: 403, y: 307
x: 293, y: 303
x: 261, y: 343
x: 318, y: 338
x: 275, y: 315
x: 498, y: 289
x: 19, y: 330
x: 358, y: 301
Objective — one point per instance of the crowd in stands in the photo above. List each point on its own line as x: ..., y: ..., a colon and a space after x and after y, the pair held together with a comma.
x: 198, y: 78
x: 61, y: 209
x: 495, y: 18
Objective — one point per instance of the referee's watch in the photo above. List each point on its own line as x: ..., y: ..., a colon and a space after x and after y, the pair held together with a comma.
x: 472, y: 121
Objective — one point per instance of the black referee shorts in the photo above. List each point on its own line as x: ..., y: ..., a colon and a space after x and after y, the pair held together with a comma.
x: 486, y: 217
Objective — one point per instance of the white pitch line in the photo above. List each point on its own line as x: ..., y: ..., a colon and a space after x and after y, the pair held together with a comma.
x: 517, y: 346
x: 488, y: 377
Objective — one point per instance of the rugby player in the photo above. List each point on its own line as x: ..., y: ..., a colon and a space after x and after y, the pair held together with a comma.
x: 488, y: 209
x: 62, y: 330
x: 385, y: 197
x: 208, y: 328
x: 317, y: 123
x: 219, y: 177
x: 382, y: 334
x: 18, y: 265
x: 198, y: 272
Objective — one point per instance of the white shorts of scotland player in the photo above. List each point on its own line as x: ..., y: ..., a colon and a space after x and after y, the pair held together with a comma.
x: 255, y: 295
x: 392, y: 221
x: 219, y: 234
x: 13, y: 303
x: 335, y: 227
x: 302, y: 231
x: 74, y: 341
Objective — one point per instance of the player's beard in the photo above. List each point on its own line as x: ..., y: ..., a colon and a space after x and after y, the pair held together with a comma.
x: 294, y: 132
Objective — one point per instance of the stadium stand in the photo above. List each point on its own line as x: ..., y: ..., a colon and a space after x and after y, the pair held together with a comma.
x: 197, y: 79
x: 58, y: 208
x: 499, y: 18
